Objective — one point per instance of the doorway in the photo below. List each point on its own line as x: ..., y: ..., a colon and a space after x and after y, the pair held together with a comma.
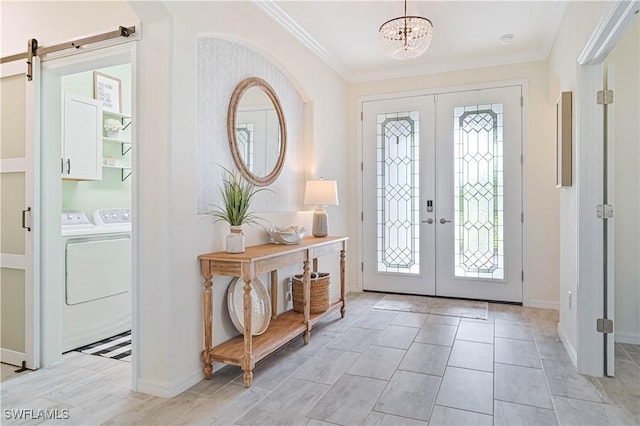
x: 442, y: 194
x: 78, y: 311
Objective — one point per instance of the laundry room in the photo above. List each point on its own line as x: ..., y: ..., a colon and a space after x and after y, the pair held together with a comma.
x: 96, y: 170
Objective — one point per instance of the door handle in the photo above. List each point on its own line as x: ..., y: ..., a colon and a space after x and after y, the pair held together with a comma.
x: 68, y: 166
x: 24, y: 219
x: 443, y: 221
x: 429, y: 221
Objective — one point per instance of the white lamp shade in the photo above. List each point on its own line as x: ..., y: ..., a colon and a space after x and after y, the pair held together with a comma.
x: 321, y: 193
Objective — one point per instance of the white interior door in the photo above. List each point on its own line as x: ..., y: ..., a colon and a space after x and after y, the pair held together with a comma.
x: 442, y: 195
x: 398, y: 178
x: 18, y: 223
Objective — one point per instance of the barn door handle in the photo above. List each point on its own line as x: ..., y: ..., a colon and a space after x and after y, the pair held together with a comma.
x: 24, y: 219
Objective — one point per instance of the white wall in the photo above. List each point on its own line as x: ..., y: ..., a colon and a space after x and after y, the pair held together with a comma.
x: 579, y: 20
x: 184, y: 234
x: 58, y: 22
x: 626, y: 59
x: 540, y: 197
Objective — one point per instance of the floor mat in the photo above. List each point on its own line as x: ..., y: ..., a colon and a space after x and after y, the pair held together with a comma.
x: 434, y: 305
x: 116, y: 347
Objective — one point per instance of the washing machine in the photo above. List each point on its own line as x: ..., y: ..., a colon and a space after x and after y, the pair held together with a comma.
x: 97, y: 276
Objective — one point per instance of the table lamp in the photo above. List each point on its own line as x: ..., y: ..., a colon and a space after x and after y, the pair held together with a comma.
x: 321, y: 193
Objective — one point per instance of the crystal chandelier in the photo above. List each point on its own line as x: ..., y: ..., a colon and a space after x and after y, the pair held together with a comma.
x: 406, y: 37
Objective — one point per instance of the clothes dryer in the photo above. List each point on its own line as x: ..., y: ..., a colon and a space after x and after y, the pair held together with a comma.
x: 97, y: 276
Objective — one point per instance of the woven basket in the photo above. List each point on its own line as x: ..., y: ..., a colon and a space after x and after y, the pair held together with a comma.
x: 319, y: 292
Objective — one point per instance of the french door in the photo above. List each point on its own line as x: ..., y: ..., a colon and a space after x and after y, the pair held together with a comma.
x: 442, y: 194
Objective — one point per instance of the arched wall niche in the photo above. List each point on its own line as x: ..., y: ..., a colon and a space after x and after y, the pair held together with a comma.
x: 222, y: 63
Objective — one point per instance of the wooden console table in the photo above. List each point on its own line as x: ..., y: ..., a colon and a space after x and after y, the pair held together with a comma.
x: 245, y: 351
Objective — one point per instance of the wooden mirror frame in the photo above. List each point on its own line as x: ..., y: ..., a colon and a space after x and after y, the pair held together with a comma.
x: 240, y: 89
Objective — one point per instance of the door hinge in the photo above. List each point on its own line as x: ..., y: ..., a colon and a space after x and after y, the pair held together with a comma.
x: 361, y: 166
x: 522, y: 159
x: 604, y: 325
x: 604, y: 211
x: 604, y: 97
x: 522, y: 276
x: 362, y: 266
x: 521, y: 101
x: 361, y: 216
x: 522, y: 217
x: 361, y: 115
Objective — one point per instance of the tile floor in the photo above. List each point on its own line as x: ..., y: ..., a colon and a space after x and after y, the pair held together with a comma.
x: 373, y: 367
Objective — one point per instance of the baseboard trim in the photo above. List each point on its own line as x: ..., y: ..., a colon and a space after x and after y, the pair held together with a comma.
x: 571, y: 351
x: 542, y: 304
x: 12, y: 357
x: 630, y: 338
x: 169, y: 390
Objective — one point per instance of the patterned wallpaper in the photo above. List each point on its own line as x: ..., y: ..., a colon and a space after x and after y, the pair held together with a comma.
x: 222, y: 64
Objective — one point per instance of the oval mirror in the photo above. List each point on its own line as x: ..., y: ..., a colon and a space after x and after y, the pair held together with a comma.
x: 257, y: 131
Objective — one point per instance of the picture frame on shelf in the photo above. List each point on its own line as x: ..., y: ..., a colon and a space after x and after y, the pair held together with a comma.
x: 564, y: 134
x: 107, y: 90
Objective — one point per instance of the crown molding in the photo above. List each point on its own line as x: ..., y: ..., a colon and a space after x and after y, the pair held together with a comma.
x: 420, y: 70
x: 283, y: 19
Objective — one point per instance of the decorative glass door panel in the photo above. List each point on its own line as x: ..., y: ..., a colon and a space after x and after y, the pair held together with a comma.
x: 244, y: 139
x: 398, y: 193
x: 478, y: 191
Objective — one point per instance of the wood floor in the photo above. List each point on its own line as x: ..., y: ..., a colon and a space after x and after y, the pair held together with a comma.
x: 373, y: 367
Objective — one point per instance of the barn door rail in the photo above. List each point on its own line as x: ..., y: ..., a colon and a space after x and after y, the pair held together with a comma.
x: 33, y: 49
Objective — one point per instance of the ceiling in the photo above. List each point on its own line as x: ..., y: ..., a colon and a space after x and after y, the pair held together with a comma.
x: 466, y: 33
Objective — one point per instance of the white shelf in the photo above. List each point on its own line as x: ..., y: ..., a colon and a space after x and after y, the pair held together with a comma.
x: 109, y: 166
x: 125, y: 171
x: 114, y: 140
x: 125, y: 145
x: 115, y: 114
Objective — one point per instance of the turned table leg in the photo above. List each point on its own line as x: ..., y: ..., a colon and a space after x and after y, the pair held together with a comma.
x: 342, y: 280
x: 247, y: 307
x: 306, y: 292
x: 208, y: 321
x: 274, y: 294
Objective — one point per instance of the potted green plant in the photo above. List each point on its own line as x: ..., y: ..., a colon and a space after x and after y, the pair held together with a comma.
x: 236, y: 193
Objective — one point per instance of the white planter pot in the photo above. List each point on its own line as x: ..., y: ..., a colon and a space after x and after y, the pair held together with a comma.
x: 113, y: 134
x: 235, y: 240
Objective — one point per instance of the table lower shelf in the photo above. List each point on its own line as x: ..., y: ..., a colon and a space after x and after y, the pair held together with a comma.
x: 284, y: 328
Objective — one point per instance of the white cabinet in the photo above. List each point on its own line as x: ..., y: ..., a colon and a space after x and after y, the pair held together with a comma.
x: 82, y: 138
